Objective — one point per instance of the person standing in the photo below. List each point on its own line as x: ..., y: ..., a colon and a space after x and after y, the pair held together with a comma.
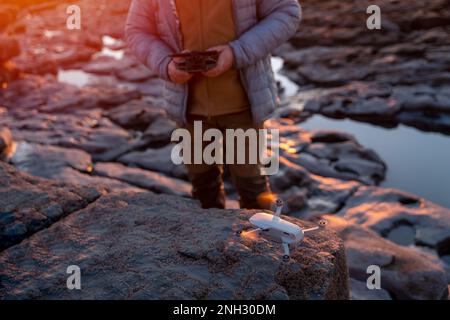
x: 240, y: 92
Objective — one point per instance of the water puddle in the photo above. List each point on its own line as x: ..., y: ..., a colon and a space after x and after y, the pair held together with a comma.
x: 403, y: 235
x: 111, y: 48
x: 80, y: 78
x: 418, y: 162
x: 290, y: 87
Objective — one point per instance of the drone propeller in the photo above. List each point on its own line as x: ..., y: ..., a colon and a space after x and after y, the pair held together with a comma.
x: 323, y: 223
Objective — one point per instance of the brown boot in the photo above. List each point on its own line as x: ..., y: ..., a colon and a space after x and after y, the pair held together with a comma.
x: 207, y: 187
x: 252, y: 192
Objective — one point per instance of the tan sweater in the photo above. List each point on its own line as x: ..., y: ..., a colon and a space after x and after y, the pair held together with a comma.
x: 205, y: 24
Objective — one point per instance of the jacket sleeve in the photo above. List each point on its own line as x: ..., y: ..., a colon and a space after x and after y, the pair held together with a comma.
x: 279, y: 21
x: 143, y: 39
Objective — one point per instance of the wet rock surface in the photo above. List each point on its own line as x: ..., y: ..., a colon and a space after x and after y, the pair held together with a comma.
x: 67, y: 165
x: 399, y: 74
x: 329, y: 153
x: 145, y: 246
x: 359, y: 291
x: 401, y: 217
x: 405, y: 273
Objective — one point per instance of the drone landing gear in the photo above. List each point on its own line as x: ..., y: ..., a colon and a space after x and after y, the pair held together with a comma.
x: 286, y: 256
x: 286, y: 249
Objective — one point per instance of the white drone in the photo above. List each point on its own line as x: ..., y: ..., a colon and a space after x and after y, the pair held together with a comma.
x: 273, y: 228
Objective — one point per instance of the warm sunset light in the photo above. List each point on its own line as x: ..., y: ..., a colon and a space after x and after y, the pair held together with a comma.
x: 218, y: 156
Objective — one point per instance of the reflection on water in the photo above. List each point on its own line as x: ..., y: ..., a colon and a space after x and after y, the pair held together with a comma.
x: 418, y: 162
x: 80, y: 78
x: 290, y: 87
x: 111, y: 48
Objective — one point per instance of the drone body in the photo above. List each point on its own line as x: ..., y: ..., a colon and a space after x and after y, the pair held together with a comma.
x: 276, y: 229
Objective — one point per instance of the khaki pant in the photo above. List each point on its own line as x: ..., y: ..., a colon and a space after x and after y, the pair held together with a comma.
x: 207, y: 180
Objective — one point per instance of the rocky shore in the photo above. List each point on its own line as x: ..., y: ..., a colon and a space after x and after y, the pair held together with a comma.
x: 399, y: 74
x: 96, y: 177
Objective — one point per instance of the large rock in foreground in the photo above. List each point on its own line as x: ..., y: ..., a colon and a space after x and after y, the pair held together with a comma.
x: 29, y: 204
x: 147, y: 246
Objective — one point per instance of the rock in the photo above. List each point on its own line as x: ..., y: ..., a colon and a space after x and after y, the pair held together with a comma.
x: 328, y: 195
x: 145, y: 179
x: 7, y: 144
x: 328, y: 153
x: 47, y: 95
x: 55, y: 45
x: 400, y: 216
x: 76, y: 167
x: 290, y: 175
x: 295, y: 198
x: 405, y: 273
x: 159, y: 132
x: 374, y: 76
x: 140, y: 73
x: 361, y: 167
x: 307, y: 195
x: 367, y: 171
x: 108, y: 65
x: 134, y: 245
x: 49, y: 60
x: 60, y: 164
x: 8, y: 14
x: 155, y: 160
x: 29, y: 204
x: 152, y: 88
x: 136, y: 114
x: 359, y: 291
x: 359, y: 100
x: 9, y: 48
x: 109, y: 97
x: 426, y: 121
x: 85, y: 130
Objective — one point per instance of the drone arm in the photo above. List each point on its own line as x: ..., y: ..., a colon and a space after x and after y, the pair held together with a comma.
x: 279, y: 207
x: 310, y: 229
x: 253, y: 231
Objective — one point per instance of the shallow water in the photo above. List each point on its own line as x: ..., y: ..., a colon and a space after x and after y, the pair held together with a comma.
x: 80, y: 78
x: 418, y: 162
x: 290, y: 87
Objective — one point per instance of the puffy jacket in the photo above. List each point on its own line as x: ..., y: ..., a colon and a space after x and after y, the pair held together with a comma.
x: 153, y: 33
